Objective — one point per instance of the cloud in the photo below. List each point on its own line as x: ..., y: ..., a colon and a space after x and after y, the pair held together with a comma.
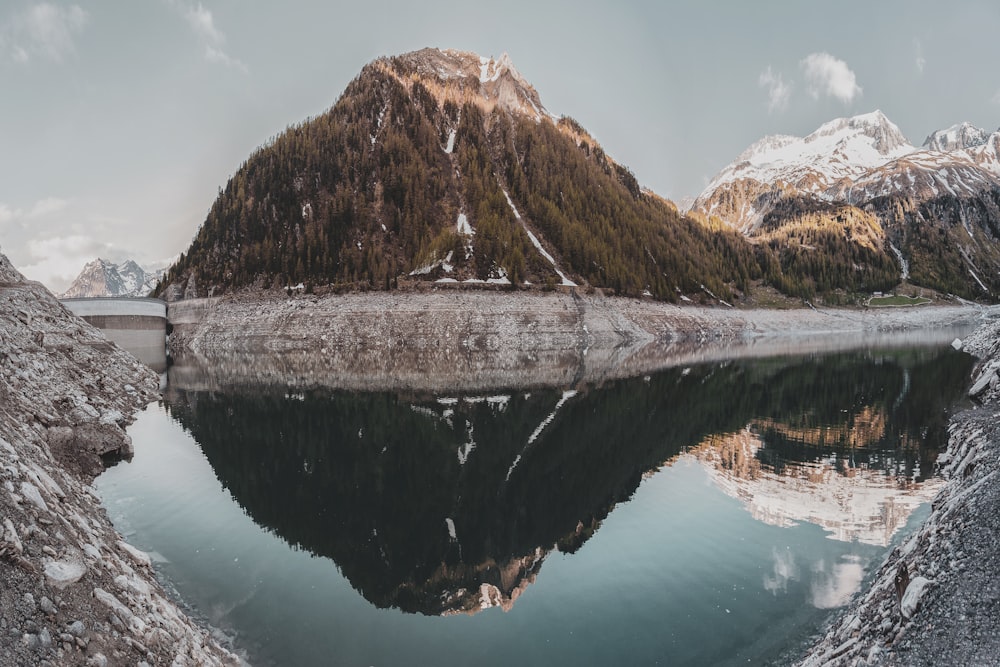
x: 214, y: 55
x: 6, y: 213
x: 47, y: 206
x: 56, y: 261
x: 919, y: 61
x: 996, y: 98
x: 202, y: 23
x: 778, y: 92
x: 44, y: 31
x: 826, y: 75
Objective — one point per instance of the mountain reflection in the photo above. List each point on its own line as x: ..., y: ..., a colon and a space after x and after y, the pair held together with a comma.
x: 450, y: 504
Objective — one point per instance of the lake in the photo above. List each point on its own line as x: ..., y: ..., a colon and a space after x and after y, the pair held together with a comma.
x: 715, y: 513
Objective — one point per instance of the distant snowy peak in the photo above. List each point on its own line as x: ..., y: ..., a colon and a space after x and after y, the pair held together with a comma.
x: 872, y: 129
x: 460, y: 75
x: 103, y: 278
x: 840, y: 149
x: 956, y: 137
x: 853, y: 160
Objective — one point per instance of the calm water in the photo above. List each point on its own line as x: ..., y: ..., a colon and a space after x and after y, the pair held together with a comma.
x: 712, y: 514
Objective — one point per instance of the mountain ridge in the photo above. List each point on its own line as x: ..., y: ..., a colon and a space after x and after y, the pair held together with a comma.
x: 442, y: 166
x: 102, y: 277
x: 951, y: 184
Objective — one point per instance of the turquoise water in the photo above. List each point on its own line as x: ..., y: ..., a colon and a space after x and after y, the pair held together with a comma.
x: 683, y: 518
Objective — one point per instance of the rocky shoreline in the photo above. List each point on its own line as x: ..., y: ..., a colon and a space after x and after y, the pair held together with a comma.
x: 72, y: 590
x: 936, y: 599
x: 473, y: 341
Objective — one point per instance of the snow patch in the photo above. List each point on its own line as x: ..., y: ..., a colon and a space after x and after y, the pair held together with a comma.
x: 538, y: 246
x: 451, y: 143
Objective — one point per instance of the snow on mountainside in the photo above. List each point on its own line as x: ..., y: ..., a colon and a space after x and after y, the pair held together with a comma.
x: 103, y: 278
x: 956, y: 137
x: 843, y: 148
x: 853, y: 160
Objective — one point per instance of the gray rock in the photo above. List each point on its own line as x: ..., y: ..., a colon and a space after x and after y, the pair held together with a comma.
x: 77, y: 629
x: 97, y: 660
x: 45, y: 638
x: 46, y: 605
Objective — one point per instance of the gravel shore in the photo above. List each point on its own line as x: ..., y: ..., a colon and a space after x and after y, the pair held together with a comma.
x: 936, y: 599
x: 72, y: 590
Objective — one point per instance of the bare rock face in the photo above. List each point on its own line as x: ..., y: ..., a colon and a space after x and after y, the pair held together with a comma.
x: 71, y: 592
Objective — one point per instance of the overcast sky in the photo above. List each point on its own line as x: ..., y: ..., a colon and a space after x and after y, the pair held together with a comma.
x: 119, y: 120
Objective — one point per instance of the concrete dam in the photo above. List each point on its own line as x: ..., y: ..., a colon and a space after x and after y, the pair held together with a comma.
x: 136, y: 324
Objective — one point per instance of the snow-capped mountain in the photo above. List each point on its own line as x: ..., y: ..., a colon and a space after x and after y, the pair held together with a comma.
x: 853, y: 160
x: 956, y: 137
x: 103, y: 278
x: 864, y: 163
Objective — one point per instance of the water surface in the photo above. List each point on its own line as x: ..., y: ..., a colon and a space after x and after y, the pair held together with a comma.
x: 709, y: 514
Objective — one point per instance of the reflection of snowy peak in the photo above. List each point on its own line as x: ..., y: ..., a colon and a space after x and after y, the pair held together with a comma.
x: 865, y: 505
x: 103, y: 278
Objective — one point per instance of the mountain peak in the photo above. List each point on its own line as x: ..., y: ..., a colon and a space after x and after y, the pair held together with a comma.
x: 101, y: 277
x: 457, y: 75
x: 957, y: 137
x: 885, y: 135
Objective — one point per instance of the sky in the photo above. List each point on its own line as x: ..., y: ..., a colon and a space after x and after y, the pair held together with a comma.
x: 120, y: 121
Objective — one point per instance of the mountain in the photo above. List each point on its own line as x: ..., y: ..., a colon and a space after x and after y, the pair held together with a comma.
x: 933, y: 212
x: 444, y: 166
x: 103, y: 278
x: 956, y: 137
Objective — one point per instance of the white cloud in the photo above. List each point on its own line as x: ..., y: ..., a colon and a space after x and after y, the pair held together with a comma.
x: 6, y: 213
x: 778, y: 92
x: 47, y: 206
x: 44, y: 31
x: 214, y: 55
x: 996, y: 98
x: 919, y: 61
x: 830, y: 76
x: 202, y: 23
x: 56, y: 261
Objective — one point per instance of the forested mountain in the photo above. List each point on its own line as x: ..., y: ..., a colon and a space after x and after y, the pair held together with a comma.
x: 440, y: 165
x: 443, y: 166
x: 933, y: 212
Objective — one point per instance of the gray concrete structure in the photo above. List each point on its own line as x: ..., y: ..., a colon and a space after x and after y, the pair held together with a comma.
x: 138, y: 325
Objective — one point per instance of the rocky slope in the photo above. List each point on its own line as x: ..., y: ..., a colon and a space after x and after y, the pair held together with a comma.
x: 103, y: 278
x: 937, y: 598
x: 73, y: 591
x: 937, y: 207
